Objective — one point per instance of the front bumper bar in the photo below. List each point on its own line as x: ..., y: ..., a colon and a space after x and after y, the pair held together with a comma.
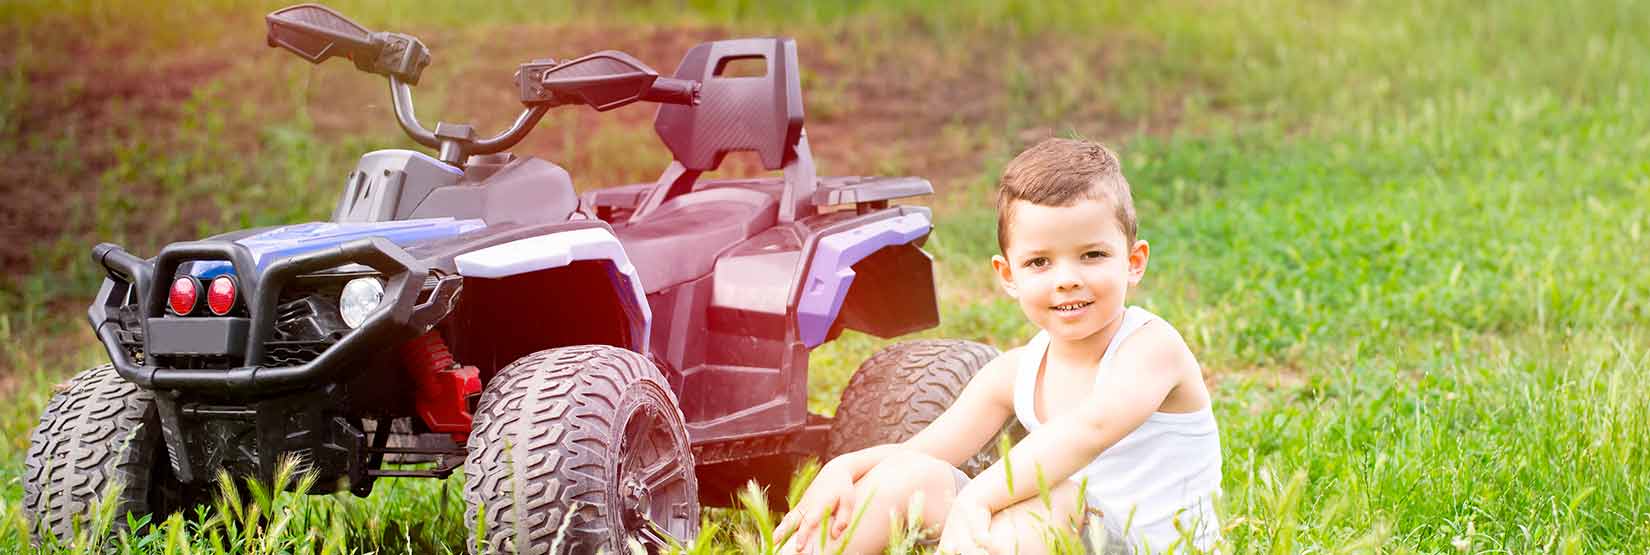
x: 397, y: 318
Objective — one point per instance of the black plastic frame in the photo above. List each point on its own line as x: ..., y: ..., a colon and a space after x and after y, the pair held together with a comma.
x: 396, y: 319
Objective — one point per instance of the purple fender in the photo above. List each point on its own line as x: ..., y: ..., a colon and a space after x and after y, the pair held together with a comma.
x: 831, y: 272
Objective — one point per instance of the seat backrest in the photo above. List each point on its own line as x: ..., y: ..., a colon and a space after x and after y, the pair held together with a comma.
x: 761, y: 114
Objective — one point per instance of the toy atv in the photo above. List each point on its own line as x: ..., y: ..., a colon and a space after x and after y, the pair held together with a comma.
x: 611, y: 360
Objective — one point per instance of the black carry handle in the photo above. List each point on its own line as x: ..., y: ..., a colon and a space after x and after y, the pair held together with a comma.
x: 315, y: 33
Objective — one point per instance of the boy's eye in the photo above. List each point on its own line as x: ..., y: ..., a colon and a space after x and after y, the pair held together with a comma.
x: 1037, y: 262
x: 1094, y: 254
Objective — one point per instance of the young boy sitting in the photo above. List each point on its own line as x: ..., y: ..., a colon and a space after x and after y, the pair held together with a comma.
x: 1113, y: 399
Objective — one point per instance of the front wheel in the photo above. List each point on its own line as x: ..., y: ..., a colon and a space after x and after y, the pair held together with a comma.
x: 99, y: 442
x: 580, y: 449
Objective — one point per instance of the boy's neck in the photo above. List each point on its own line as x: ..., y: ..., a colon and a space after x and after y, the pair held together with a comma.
x: 1085, y: 352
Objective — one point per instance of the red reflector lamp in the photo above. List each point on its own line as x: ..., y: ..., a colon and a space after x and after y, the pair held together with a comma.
x: 185, y: 292
x: 220, y: 297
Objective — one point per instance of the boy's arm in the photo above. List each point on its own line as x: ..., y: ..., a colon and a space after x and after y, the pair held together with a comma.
x: 979, y: 411
x: 986, y: 402
x: 1132, y: 388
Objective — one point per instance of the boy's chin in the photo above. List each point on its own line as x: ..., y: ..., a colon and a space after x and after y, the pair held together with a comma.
x: 1074, y: 330
x: 1071, y: 331
x: 1071, y: 334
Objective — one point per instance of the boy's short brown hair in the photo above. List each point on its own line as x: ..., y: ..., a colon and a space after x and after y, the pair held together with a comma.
x: 1061, y: 172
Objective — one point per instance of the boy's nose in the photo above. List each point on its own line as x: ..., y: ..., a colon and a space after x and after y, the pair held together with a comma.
x: 1066, y: 278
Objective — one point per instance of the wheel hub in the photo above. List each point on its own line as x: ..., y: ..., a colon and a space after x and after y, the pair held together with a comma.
x: 635, y: 497
x: 653, y: 490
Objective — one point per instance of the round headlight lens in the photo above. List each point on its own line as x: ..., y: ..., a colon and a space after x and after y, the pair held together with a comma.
x: 361, y: 297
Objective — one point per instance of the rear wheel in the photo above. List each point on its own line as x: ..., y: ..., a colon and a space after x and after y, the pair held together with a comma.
x: 97, y: 437
x: 903, y: 388
x: 580, y: 449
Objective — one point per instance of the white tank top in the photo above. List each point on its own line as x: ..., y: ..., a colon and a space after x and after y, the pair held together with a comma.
x: 1165, y: 472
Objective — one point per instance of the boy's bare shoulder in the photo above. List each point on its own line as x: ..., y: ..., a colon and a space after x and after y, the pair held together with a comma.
x: 998, y: 374
x: 1004, y: 364
x: 1158, y: 346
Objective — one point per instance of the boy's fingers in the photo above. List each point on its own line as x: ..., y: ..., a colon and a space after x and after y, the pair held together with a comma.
x: 839, y: 517
x: 799, y: 541
x: 789, y: 546
x: 952, y: 538
x: 796, y: 517
x: 788, y: 526
x: 808, y: 524
x: 980, y: 529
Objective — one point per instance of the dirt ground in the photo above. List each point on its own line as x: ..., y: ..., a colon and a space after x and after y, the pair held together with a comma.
x: 924, y: 105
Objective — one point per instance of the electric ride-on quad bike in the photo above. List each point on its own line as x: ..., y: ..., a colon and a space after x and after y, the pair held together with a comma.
x: 608, y: 362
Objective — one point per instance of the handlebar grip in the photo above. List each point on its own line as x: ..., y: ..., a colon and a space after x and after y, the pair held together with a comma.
x: 673, y: 91
x: 395, y: 54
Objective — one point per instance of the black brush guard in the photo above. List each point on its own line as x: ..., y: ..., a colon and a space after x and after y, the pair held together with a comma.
x: 396, y: 320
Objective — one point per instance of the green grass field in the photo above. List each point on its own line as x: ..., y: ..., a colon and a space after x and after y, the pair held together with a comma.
x: 1406, y: 239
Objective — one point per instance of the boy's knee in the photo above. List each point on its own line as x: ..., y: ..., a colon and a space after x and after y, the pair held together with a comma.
x: 1015, y: 532
x: 903, y: 474
x: 1028, y: 526
x: 911, y: 468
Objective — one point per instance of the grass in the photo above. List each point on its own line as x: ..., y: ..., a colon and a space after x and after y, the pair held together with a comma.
x: 1403, y: 237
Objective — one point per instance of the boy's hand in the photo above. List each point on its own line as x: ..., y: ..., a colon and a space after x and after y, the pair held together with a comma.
x: 967, y: 528
x: 833, y: 490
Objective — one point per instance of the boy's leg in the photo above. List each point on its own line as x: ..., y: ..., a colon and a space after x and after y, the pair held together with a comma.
x: 885, y: 493
x: 1025, y: 527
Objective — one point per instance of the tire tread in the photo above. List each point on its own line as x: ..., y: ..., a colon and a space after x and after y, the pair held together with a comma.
x: 901, y: 389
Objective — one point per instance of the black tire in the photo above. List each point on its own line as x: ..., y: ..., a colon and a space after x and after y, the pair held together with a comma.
x: 567, y: 434
x: 901, y: 389
x: 99, y: 430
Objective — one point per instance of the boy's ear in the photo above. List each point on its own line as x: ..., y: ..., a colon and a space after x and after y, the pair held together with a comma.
x: 1138, y: 255
x: 1005, y: 277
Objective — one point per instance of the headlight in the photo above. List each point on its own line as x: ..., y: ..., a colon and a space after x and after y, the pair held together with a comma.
x: 361, y: 296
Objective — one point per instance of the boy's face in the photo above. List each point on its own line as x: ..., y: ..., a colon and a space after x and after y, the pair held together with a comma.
x: 1069, y: 266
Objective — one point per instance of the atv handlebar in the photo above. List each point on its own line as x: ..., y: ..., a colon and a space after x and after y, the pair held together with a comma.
x: 456, y: 142
x: 604, y: 80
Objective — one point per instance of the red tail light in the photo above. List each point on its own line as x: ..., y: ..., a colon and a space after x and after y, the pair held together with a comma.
x: 220, y: 297
x: 185, y: 292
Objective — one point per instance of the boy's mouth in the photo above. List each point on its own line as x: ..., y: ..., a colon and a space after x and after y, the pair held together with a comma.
x: 1072, y: 307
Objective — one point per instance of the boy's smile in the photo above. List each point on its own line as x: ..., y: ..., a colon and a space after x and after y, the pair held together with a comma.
x: 1069, y: 267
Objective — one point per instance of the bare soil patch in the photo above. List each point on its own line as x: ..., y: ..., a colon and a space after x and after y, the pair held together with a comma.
x: 927, y: 104
x: 924, y: 104
x: 81, y: 101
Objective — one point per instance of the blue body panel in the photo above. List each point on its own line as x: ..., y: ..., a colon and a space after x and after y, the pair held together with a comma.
x: 286, y: 241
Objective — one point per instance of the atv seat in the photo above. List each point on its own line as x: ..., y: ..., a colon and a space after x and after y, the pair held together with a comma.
x: 682, y: 238
x: 674, y: 228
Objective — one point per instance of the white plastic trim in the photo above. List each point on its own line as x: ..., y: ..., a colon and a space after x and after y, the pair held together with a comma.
x: 554, y: 251
x: 544, y: 252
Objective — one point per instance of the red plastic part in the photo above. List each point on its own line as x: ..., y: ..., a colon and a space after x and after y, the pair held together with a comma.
x: 444, y: 387
x: 183, y: 296
x: 220, y: 296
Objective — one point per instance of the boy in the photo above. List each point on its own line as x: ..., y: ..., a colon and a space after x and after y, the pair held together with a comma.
x: 1111, y: 396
